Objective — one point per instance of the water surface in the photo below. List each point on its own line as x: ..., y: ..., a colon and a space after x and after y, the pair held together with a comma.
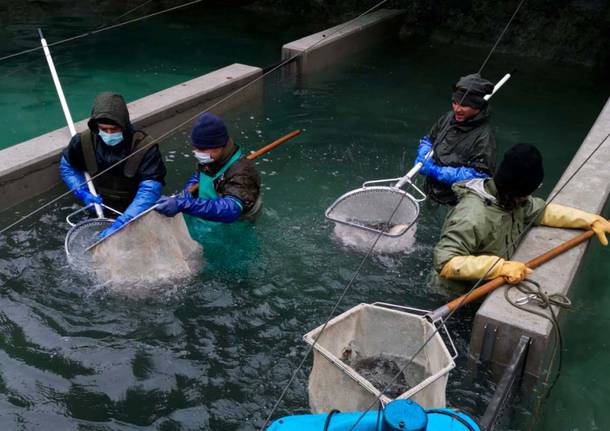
x: 215, y: 352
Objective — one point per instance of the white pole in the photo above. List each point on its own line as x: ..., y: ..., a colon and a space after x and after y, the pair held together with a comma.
x: 64, y: 106
x: 498, y: 86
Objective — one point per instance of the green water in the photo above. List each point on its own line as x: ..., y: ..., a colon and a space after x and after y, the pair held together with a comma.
x: 216, y: 351
x: 135, y: 60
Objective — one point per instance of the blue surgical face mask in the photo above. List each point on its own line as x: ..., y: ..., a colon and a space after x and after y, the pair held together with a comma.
x: 111, y: 139
x: 203, y: 158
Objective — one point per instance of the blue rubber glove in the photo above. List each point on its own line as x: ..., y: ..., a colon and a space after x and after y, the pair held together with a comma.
x: 194, y: 179
x: 87, y: 197
x: 75, y: 180
x: 224, y: 209
x: 146, y: 196
x: 168, y: 205
x: 118, y: 223
x: 449, y: 174
x: 424, y: 147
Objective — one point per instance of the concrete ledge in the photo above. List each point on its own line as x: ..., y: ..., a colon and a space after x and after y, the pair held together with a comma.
x: 30, y: 168
x: 334, y: 44
x: 589, y: 191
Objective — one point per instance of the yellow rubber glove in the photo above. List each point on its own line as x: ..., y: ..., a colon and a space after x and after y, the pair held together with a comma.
x: 556, y: 215
x: 476, y: 267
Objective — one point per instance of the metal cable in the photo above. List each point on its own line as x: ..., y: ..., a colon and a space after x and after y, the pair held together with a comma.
x: 130, y: 11
x: 99, y: 30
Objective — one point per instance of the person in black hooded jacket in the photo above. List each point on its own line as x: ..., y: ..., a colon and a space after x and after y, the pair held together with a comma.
x: 132, y: 186
x: 462, y: 140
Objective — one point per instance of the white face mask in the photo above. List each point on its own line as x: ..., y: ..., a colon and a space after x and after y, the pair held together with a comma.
x: 203, y: 158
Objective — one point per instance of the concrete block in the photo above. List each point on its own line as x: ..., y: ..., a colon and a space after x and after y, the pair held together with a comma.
x: 31, y: 167
x: 332, y: 45
x: 588, y: 190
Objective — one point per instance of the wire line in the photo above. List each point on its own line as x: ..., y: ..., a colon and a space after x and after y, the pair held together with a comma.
x: 99, y: 30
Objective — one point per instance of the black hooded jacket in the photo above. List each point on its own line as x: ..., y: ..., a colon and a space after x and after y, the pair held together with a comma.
x: 119, y: 185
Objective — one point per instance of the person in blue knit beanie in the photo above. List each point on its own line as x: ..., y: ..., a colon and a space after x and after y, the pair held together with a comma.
x: 225, y: 186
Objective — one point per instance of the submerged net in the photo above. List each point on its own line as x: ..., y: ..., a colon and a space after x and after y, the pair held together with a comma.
x: 364, y: 214
x: 363, y: 240
x: 81, y: 237
x: 152, y: 248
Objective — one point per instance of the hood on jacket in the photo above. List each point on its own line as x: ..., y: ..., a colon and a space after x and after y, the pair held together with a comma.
x: 109, y: 106
x: 482, y: 187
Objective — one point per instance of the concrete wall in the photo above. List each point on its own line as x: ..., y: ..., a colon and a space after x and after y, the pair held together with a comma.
x: 589, y: 191
x: 30, y: 168
x: 336, y: 43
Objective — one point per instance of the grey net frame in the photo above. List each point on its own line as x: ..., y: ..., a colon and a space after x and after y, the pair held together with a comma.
x: 82, y: 235
x: 376, y: 208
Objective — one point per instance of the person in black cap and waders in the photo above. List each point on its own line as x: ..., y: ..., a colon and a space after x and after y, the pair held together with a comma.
x: 490, y: 217
x: 132, y: 186
x: 463, y: 142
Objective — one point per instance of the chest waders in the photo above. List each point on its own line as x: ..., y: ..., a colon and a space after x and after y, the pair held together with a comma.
x: 200, y: 228
x: 226, y: 246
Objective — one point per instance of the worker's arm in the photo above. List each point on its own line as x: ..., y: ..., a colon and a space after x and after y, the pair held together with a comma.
x: 148, y: 193
x: 450, y: 174
x: 224, y: 209
x: 556, y: 215
x: 75, y: 180
x: 484, y: 267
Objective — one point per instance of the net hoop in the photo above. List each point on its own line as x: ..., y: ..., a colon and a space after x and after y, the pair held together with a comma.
x: 401, y: 197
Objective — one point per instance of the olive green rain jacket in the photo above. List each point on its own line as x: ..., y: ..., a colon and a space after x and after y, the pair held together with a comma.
x: 471, y: 143
x: 477, y: 225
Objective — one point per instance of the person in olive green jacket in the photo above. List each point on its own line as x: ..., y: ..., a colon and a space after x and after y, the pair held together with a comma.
x: 482, y: 232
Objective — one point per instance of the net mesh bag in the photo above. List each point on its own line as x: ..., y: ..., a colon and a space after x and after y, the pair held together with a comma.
x: 384, y: 216
x: 151, y: 248
x: 361, y: 350
x: 386, y: 210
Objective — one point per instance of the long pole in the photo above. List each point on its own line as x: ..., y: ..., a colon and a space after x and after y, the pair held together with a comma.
x: 64, y: 106
x: 492, y: 285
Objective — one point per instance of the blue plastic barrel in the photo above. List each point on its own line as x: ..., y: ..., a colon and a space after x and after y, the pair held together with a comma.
x: 399, y: 415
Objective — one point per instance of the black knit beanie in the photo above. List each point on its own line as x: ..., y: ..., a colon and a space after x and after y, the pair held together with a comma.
x: 521, y: 171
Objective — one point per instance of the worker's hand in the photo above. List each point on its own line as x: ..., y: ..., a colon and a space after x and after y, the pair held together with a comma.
x: 118, y: 223
x: 424, y: 147
x: 168, y: 206
x: 87, y: 197
x: 601, y: 227
x: 514, y: 272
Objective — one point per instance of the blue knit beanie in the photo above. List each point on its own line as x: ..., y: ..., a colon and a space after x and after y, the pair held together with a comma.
x: 209, y: 132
